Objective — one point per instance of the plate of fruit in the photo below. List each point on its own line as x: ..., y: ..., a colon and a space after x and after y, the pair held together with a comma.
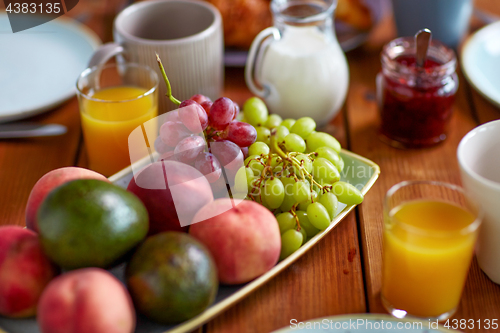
x: 223, y: 201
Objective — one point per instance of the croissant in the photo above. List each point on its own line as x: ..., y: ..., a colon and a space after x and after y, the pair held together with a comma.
x: 244, y: 19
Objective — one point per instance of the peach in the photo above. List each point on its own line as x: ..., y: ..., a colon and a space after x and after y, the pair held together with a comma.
x: 86, y: 300
x: 24, y: 271
x: 244, y: 239
x: 47, y: 183
x: 172, y: 193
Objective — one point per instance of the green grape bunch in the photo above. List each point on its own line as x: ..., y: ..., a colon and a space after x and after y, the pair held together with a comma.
x: 294, y: 171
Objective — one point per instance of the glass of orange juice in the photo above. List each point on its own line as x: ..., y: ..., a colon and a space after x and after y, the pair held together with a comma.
x: 430, y: 229
x: 114, y: 100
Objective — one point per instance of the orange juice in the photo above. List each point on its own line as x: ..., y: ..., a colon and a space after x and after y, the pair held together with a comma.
x: 108, y: 118
x: 427, y: 253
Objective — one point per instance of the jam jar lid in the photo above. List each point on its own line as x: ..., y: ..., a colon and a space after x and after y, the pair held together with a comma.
x: 429, y: 76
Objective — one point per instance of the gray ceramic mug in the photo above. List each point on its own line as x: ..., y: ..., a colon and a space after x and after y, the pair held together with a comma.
x: 187, y: 34
x: 447, y: 19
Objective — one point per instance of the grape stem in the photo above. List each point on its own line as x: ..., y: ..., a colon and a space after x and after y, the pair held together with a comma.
x: 275, y: 148
x: 292, y: 211
x: 313, y: 181
x: 267, y: 165
x: 274, y: 145
x: 165, y: 78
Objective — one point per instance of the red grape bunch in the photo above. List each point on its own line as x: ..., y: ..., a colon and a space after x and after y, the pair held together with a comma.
x: 205, y: 135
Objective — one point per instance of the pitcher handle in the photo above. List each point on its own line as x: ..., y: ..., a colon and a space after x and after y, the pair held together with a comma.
x: 255, y: 49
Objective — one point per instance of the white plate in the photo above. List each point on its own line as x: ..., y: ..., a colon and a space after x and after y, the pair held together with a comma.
x: 349, y: 37
x: 39, y: 66
x: 363, y: 323
x: 481, y: 62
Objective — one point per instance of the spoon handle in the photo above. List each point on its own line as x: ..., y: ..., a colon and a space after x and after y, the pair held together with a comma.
x: 422, y: 39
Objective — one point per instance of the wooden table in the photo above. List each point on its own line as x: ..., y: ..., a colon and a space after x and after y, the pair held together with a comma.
x: 342, y: 274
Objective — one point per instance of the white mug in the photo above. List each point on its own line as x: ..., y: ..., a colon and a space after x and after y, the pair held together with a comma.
x: 479, y: 160
x: 187, y: 35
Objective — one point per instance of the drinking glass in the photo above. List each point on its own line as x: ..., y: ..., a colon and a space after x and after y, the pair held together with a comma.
x: 430, y: 229
x: 114, y: 100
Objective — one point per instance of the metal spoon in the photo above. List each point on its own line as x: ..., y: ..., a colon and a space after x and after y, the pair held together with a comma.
x: 422, y: 41
x: 26, y: 130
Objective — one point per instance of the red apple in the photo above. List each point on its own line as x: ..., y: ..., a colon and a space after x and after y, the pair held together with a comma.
x: 50, y: 181
x: 24, y: 271
x: 86, y: 300
x: 242, y: 236
x: 172, y: 192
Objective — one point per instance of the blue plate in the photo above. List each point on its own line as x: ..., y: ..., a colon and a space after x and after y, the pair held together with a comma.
x: 481, y: 62
x: 363, y: 323
x: 39, y: 66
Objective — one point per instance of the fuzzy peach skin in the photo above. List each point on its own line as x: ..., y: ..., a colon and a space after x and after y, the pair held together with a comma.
x: 187, y: 191
x: 88, y: 300
x: 48, y: 182
x: 24, y: 271
x: 245, y: 240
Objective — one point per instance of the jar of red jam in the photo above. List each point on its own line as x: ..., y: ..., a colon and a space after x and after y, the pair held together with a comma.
x: 416, y: 102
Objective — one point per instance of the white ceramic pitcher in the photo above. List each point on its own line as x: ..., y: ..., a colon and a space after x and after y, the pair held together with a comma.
x: 297, y: 66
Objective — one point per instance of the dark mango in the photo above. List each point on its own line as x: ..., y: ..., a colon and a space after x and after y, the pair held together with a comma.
x: 171, y: 278
x: 90, y: 223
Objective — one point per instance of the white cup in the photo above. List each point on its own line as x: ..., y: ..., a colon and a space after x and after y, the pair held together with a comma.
x: 187, y: 35
x: 479, y: 160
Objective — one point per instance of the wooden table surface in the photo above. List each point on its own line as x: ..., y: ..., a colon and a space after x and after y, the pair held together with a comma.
x: 341, y: 274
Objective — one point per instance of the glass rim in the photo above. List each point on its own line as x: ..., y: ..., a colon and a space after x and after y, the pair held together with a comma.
x: 93, y: 69
x: 446, y: 68
x: 435, y: 234
x: 326, y: 12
